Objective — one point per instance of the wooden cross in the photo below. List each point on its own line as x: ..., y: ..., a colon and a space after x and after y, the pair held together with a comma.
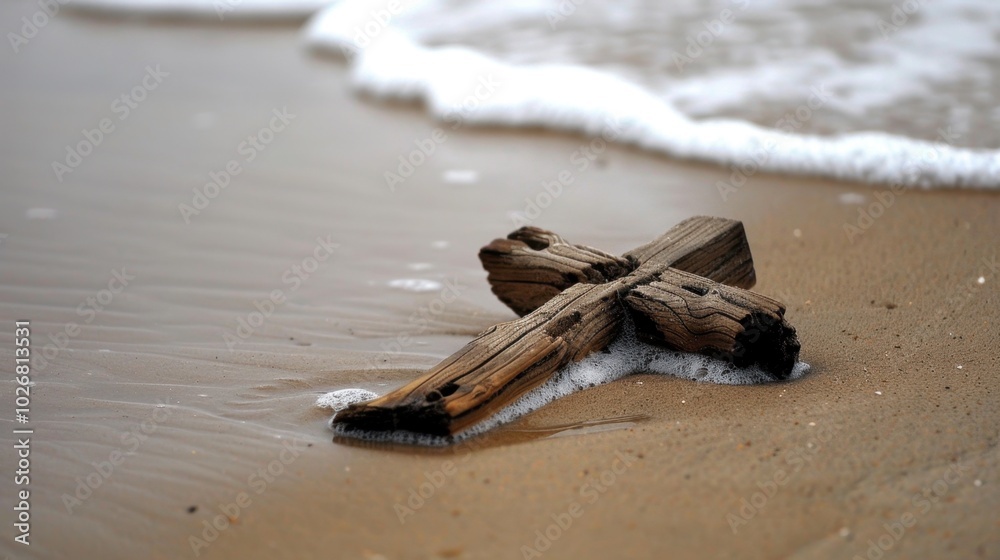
x: 684, y: 291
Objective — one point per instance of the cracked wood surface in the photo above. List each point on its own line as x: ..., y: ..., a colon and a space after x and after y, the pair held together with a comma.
x: 684, y: 291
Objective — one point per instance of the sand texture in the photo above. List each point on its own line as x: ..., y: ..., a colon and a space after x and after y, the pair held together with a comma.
x: 900, y: 331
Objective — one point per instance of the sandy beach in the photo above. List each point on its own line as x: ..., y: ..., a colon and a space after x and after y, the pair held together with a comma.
x: 169, y: 423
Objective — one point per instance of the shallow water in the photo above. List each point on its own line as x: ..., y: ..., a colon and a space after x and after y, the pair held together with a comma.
x: 891, y: 93
x: 166, y: 359
x: 606, y: 70
x: 155, y: 360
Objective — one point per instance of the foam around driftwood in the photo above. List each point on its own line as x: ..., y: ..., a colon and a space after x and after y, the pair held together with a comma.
x: 625, y: 356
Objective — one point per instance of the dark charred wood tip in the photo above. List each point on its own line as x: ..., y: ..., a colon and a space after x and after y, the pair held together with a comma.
x: 423, y: 418
x: 767, y: 342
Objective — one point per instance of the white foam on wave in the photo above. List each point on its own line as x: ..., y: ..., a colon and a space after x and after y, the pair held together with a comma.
x: 392, y: 46
x: 461, y: 85
x: 625, y: 356
x: 893, y: 54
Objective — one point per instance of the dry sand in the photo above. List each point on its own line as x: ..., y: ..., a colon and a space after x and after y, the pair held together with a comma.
x: 903, y: 339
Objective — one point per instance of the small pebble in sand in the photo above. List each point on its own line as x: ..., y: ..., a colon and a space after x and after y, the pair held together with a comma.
x: 845, y: 532
x: 812, y: 423
x: 959, y: 366
x: 204, y: 120
x: 852, y: 198
x: 878, y: 392
x: 977, y: 483
x: 461, y: 176
x: 981, y: 280
x: 40, y: 213
x: 415, y: 284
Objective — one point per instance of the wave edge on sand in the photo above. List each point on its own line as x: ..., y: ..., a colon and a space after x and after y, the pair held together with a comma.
x: 460, y: 85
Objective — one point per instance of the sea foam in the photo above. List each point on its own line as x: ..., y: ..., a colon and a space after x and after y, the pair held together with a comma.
x: 626, y: 355
x: 398, y: 53
x: 339, y: 400
x: 450, y: 80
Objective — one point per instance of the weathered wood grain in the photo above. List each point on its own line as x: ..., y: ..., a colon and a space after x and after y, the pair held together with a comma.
x: 587, y: 295
x: 533, y: 265
x: 685, y: 312
x: 714, y: 248
x: 497, y: 367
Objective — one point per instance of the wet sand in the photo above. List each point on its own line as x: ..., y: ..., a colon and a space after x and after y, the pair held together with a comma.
x: 891, y: 439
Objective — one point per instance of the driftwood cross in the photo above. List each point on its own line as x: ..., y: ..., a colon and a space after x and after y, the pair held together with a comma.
x: 684, y: 291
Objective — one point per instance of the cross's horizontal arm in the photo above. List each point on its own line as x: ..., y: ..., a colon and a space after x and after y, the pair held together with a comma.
x: 531, y: 266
